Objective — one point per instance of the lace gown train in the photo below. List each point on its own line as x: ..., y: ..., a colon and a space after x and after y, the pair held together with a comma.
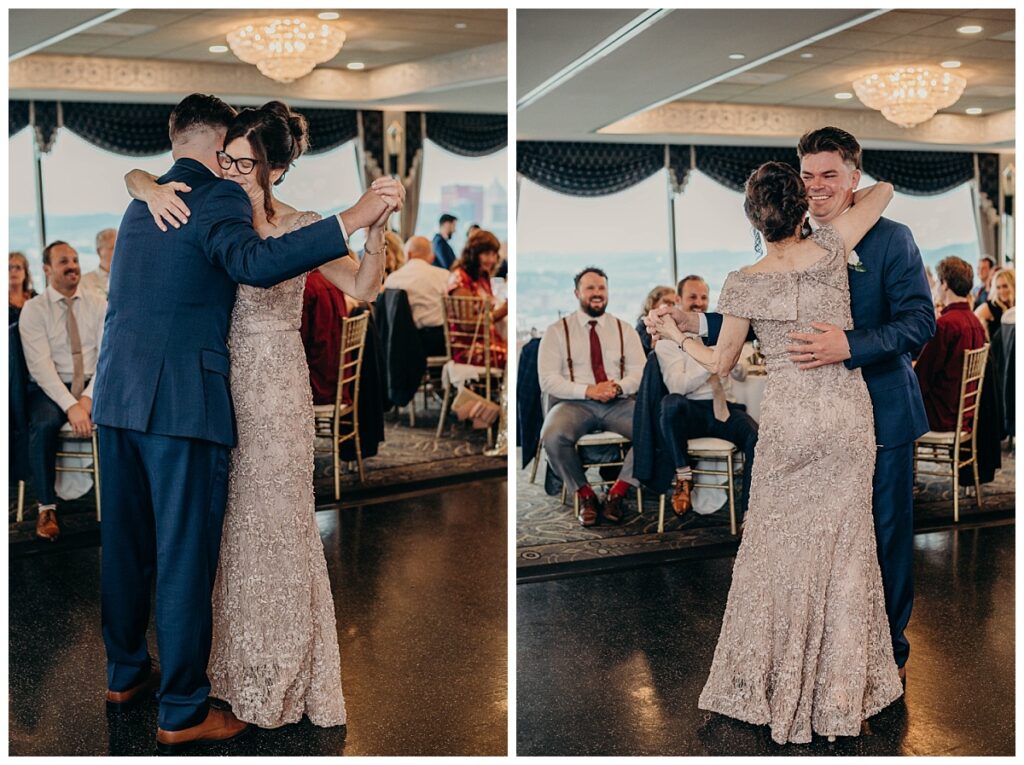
x: 805, y: 642
x: 275, y: 644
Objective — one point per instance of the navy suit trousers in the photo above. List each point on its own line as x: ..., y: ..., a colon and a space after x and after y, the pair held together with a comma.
x: 163, y: 509
x: 893, y: 508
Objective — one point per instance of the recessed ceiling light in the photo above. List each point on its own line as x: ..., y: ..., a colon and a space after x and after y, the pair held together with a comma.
x: 328, y: 15
x: 970, y: 29
x: 973, y: 110
x: 461, y: 25
x: 737, y: 56
x: 950, y: 64
x: 844, y: 96
x: 218, y: 49
x: 356, y: 65
x: 806, y: 55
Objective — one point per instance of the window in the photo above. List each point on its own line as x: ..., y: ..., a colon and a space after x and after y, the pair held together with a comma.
x: 473, y: 189
x: 84, y: 192
x: 23, y: 228
x: 325, y: 183
x: 624, y: 234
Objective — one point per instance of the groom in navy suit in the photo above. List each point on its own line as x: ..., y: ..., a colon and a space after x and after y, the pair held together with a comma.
x: 892, y: 318
x: 165, y: 417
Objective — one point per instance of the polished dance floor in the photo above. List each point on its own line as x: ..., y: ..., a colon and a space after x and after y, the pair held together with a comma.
x: 420, y: 592
x: 613, y: 663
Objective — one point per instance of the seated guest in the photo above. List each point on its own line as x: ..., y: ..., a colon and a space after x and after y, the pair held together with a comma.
x: 1001, y: 297
x: 941, y: 363
x: 19, y: 285
x: 471, y: 277
x: 323, y: 308
x: 590, y: 364
x: 394, y: 256
x: 61, y: 331
x: 425, y: 287
x: 688, y: 409
x: 444, y: 255
x: 657, y: 297
x: 986, y: 265
x: 99, y: 279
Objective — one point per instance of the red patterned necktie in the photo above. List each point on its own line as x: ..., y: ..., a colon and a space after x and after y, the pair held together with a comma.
x: 596, y: 355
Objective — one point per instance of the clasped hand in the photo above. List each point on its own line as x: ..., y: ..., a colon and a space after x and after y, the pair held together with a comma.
x: 826, y: 346
x: 602, y: 391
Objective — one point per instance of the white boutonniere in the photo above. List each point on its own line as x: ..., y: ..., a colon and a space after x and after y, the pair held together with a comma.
x: 853, y: 262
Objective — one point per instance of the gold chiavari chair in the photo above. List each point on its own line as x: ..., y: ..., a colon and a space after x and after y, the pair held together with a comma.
x: 958, y: 448
x: 63, y: 453
x: 467, y: 329
x: 332, y: 419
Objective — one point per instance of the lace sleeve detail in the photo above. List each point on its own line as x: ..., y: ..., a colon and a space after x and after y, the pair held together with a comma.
x: 829, y: 240
x: 306, y: 219
x: 759, y: 296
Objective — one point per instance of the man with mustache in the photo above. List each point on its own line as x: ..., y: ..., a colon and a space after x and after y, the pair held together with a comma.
x: 61, y: 330
x: 590, y: 365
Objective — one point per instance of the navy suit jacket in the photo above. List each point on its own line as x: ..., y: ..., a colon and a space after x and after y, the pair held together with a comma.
x: 444, y: 255
x: 163, y: 367
x: 893, y: 317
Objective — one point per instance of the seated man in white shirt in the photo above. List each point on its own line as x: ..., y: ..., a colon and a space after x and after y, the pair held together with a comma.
x: 99, y: 280
x: 426, y: 287
x: 60, y: 351
x: 590, y: 364
x: 688, y: 410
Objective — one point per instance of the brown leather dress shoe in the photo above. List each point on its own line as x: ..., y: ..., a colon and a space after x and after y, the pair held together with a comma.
x: 590, y: 508
x: 142, y: 690
x: 219, y: 725
x: 681, y: 496
x: 46, y: 525
x: 613, y: 508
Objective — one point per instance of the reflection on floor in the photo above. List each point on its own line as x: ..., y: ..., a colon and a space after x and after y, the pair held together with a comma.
x: 613, y: 664
x: 549, y: 539
x: 423, y: 645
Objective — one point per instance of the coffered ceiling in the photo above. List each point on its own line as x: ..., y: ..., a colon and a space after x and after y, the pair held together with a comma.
x: 424, y: 47
x: 676, y: 77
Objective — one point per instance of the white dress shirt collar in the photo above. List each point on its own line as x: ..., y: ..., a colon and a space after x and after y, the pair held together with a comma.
x: 56, y: 297
x: 585, y: 318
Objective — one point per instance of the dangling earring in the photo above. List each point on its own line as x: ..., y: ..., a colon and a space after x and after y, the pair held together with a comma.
x: 805, y: 231
x: 758, y: 247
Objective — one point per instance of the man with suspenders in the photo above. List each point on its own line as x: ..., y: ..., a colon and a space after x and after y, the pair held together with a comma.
x: 590, y: 364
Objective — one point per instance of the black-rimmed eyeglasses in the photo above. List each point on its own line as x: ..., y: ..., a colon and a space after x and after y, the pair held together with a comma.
x: 245, y: 165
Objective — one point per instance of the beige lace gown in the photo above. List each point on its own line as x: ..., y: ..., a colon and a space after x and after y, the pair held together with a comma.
x: 805, y: 642
x: 275, y: 643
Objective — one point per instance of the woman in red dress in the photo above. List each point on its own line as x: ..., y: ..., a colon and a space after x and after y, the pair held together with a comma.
x: 471, y: 277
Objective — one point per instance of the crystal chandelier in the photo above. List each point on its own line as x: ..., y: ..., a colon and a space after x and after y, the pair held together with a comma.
x: 909, y: 95
x: 285, y: 49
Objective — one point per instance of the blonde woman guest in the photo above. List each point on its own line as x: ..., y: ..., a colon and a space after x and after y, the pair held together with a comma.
x: 394, y: 252
x: 659, y: 296
x: 19, y: 285
x: 1002, y: 297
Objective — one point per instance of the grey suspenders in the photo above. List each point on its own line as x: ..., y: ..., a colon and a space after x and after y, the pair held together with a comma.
x: 568, y: 350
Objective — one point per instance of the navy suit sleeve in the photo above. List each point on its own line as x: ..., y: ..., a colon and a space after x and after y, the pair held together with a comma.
x: 714, y: 321
x: 224, y: 225
x: 911, y: 315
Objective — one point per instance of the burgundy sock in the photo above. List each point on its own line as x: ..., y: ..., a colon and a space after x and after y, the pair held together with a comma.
x: 585, y: 492
x: 619, y: 489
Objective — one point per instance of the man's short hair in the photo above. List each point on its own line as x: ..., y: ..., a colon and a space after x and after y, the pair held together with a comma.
x: 957, y: 274
x: 199, y: 111
x: 446, y: 218
x: 588, y: 270
x: 830, y: 139
x: 987, y: 259
x: 48, y: 250
x: 685, y: 279
x: 104, y: 235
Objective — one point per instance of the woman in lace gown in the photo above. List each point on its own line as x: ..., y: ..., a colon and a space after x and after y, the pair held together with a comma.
x: 805, y: 644
x: 275, y: 651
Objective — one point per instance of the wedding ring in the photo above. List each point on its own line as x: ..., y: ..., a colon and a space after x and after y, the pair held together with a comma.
x: 814, y: 357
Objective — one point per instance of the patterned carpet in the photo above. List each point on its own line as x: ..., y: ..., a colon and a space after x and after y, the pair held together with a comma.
x: 547, y: 534
x: 409, y: 459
